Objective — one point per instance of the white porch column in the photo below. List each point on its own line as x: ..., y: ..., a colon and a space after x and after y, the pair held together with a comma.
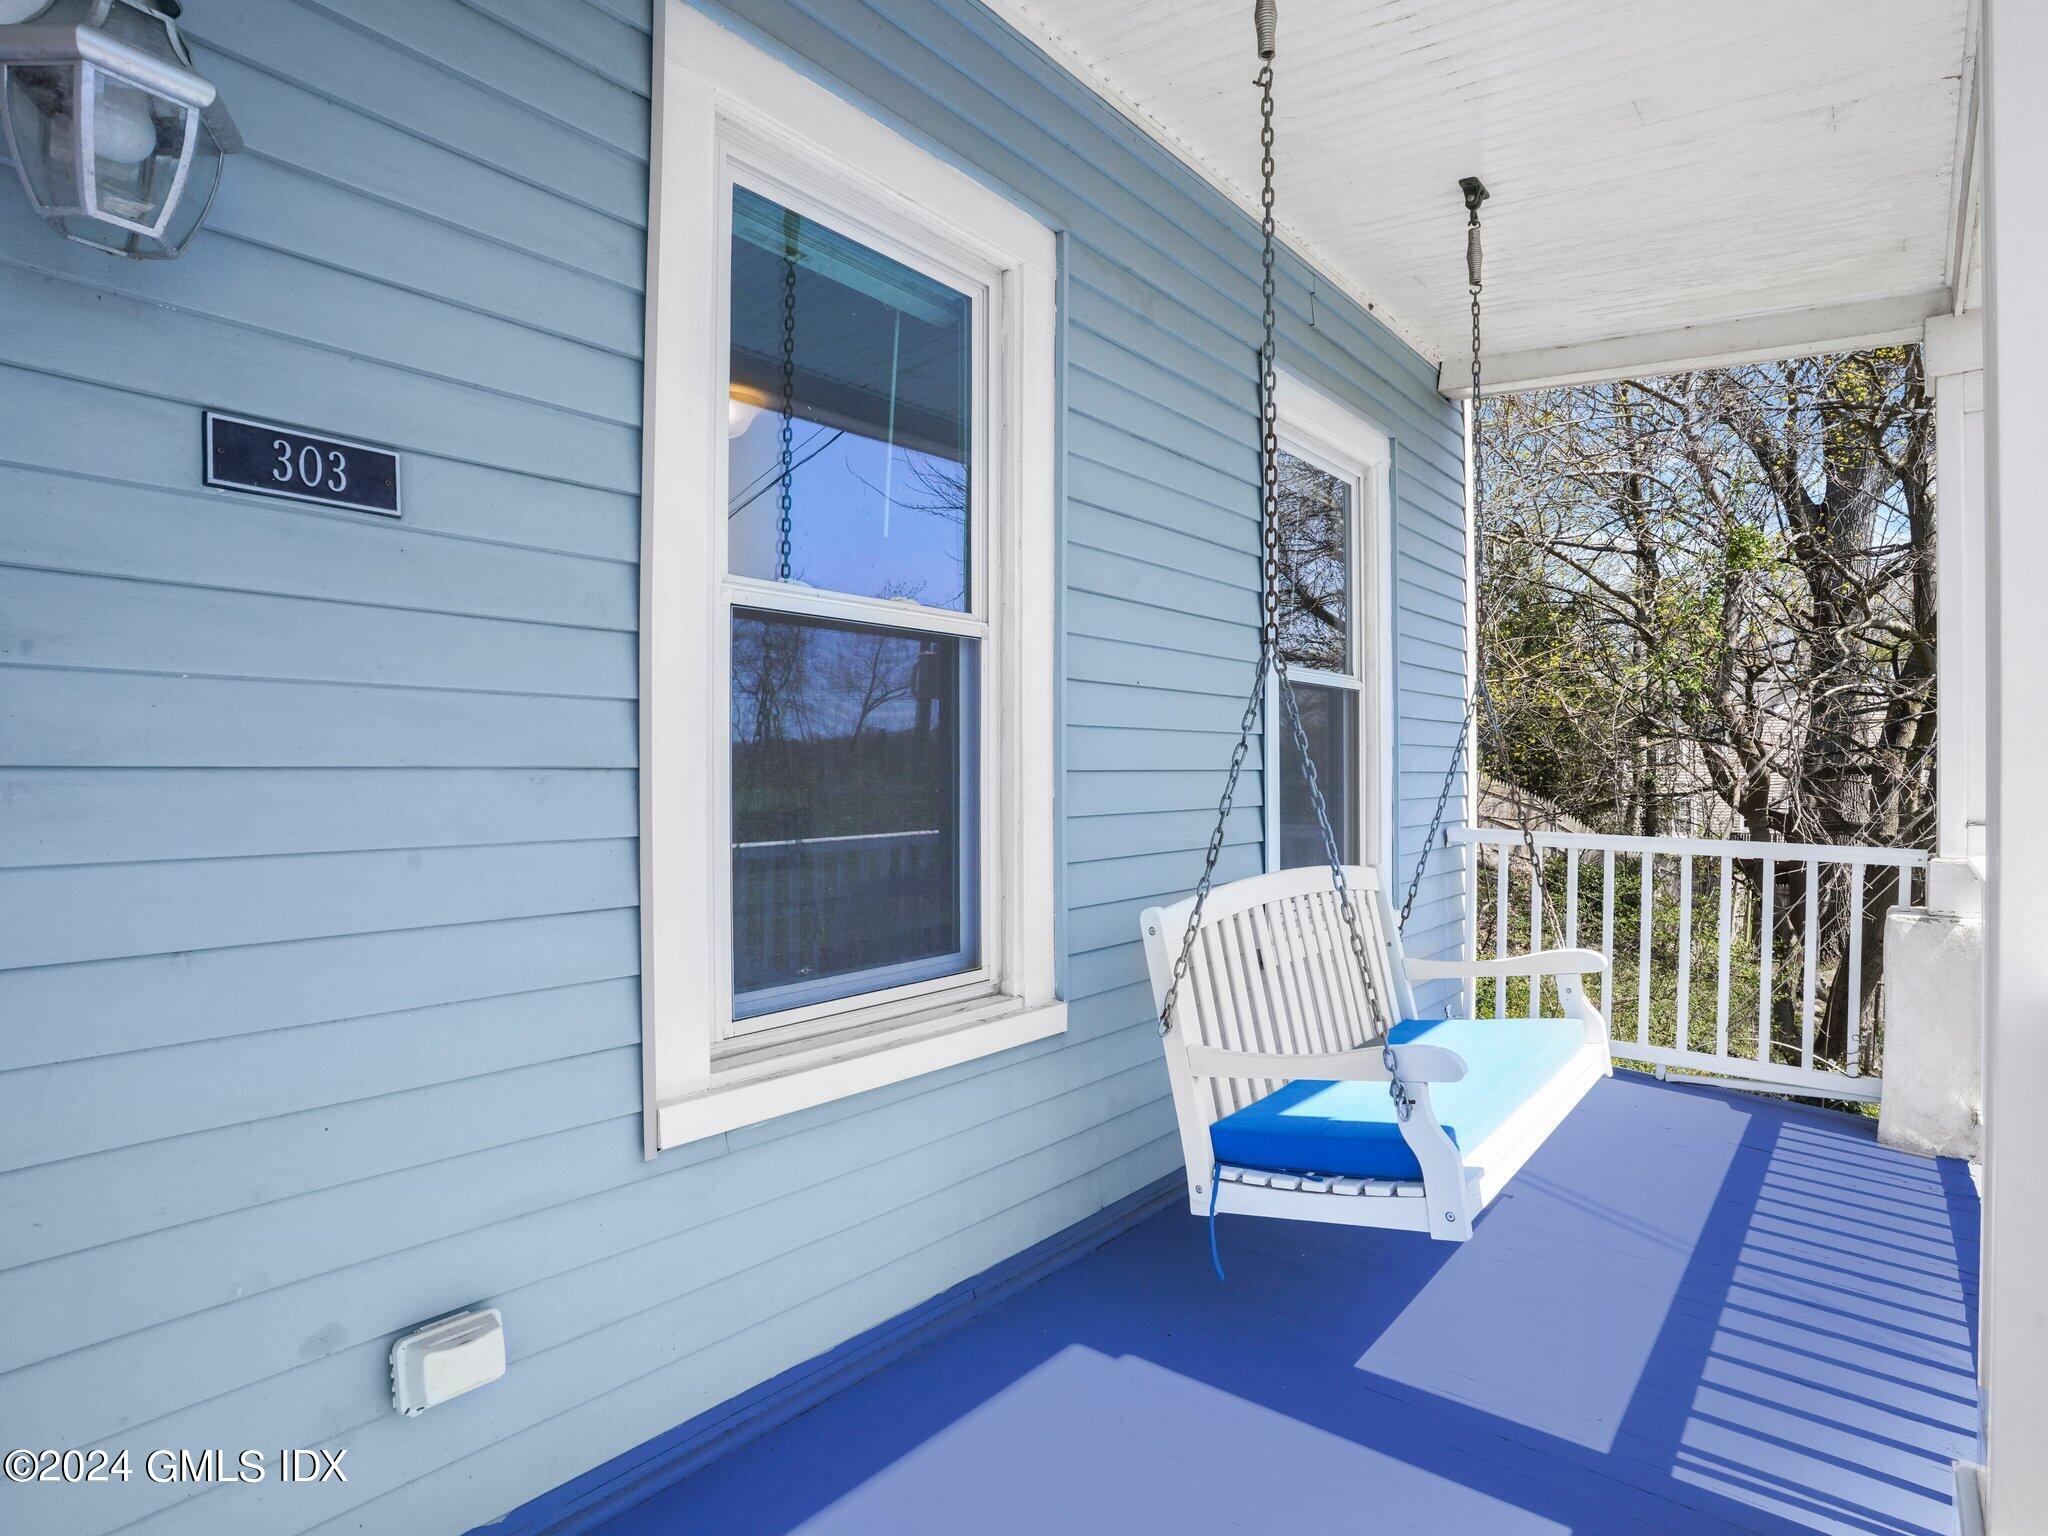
x: 2014, y: 1343
x: 1934, y: 957
x: 1954, y: 357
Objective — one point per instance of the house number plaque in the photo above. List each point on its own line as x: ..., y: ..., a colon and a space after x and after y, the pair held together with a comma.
x: 283, y: 461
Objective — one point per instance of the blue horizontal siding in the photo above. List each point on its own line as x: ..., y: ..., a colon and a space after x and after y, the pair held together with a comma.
x: 113, y: 815
x: 318, y: 860
x: 57, y: 425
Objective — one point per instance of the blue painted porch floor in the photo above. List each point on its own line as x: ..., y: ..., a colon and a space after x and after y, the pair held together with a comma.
x: 1692, y: 1312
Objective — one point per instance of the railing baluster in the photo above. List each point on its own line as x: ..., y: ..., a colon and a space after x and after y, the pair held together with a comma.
x: 1571, y: 899
x: 1767, y: 933
x: 1904, y: 894
x: 1854, y: 1009
x: 1812, y: 960
x: 1646, y: 908
x: 1501, y: 893
x: 1857, y: 876
x: 1723, y: 932
x: 1682, y: 1035
x: 1607, y: 932
x: 1478, y: 877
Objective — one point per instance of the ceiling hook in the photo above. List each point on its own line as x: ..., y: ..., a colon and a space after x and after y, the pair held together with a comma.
x: 1475, y: 194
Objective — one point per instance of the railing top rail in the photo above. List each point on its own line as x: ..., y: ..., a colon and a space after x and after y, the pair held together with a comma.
x: 1714, y: 847
x: 839, y: 839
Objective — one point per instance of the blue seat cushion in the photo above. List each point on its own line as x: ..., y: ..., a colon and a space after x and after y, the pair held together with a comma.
x: 1349, y: 1128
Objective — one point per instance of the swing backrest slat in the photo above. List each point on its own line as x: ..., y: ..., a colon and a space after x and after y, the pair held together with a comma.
x: 1272, y: 971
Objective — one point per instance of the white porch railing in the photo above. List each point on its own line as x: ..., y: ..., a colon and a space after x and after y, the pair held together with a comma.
x: 826, y: 905
x: 1746, y: 995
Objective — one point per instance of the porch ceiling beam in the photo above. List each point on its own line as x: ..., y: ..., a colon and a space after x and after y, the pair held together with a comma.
x: 1724, y: 344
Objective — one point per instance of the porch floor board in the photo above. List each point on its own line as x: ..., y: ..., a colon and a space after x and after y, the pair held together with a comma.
x: 1693, y: 1312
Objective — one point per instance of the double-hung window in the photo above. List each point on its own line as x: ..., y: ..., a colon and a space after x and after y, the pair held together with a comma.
x: 1333, y: 481
x: 847, y: 563
x: 856, y: 739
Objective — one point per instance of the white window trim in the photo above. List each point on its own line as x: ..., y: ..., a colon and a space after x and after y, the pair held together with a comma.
x: 715, y: 94
x: 1339, y: 438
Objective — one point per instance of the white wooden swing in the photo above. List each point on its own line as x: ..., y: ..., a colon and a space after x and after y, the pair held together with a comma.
x: 1281, y: 994
x: 1272, y: 997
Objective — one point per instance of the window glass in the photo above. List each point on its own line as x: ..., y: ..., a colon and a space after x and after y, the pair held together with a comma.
x: 850, y: 393
x: 1315, y: 565
x: 854, y: 826
x: 1329, y: 718
x: 137, y: 137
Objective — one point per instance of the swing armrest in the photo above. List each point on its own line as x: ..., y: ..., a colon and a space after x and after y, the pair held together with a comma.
x: 1547, y: 962
x: 1419, y: 1064
x: 1569, y: 966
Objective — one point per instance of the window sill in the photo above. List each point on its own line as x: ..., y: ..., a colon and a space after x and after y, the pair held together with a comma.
x: 748, y: 1094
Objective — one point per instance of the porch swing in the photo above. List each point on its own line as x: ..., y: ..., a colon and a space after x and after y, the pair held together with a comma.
x: 1288, y: 998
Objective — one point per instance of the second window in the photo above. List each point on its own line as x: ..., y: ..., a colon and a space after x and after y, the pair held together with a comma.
x: 1332, y: 486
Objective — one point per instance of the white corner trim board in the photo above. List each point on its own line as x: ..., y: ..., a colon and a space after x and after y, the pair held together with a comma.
x: 728, y: 114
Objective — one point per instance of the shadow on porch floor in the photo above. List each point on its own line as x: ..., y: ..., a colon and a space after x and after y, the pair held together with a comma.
x: 1692, y: 1312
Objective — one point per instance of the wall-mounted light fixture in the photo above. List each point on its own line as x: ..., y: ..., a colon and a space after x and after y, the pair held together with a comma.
x: 117, y: 138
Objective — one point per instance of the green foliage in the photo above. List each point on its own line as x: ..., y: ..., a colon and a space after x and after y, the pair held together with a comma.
x: 1707, y: 600
x: 1751, y: 549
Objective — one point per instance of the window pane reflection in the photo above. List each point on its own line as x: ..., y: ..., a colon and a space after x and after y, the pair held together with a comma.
x: 854, y: 835
x: 1315, y: 565
x: 871, y: 361
x: 1329, y: 718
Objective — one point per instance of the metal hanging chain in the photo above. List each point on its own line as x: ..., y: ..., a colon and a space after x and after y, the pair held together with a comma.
x: 1270, y: 657
x: 791, y: 226
x: 1475, y: 194
x: 1375, y: 1006
x: 1269, y: 627
x: 1437, y: 817
x: 1483, y: 713
x: 1480, y: 708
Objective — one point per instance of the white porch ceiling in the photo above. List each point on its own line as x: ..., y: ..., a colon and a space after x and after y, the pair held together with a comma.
x: 1671, y: 181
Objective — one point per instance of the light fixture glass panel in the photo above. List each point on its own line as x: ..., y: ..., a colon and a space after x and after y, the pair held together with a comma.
x: 138, y: 144
x: 42, y: 132
x: 879, y: 411
x: 202, y: 181
x: 854, y: 820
